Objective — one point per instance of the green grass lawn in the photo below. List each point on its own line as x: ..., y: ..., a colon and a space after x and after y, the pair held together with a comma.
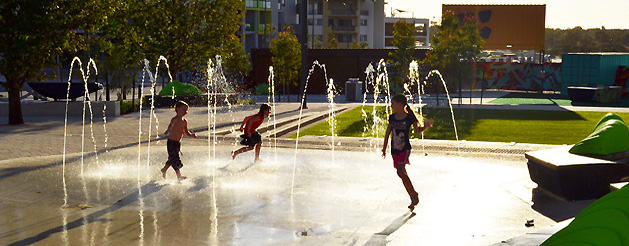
x: 518, y: 98
x: 523, y: 126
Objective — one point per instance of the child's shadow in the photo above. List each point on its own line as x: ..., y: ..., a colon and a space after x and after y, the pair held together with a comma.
x: 236, y: 167
x: 230, y: 169
x: 380, y: 238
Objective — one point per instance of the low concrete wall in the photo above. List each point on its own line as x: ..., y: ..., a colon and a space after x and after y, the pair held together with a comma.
x: 51, y: 108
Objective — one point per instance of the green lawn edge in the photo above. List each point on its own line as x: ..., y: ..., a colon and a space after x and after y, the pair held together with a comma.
x: 490, y: 125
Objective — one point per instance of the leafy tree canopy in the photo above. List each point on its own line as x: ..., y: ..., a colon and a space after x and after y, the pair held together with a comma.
x: 35, y: 32
x: 577, y: 39
x: 454, y: 43
x: 404, y: 41
x: 332, y: 42
x: 187, y: 33
x: 286, y: 52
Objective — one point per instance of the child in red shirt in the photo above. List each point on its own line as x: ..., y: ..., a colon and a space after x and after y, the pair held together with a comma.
x: 251, y: 138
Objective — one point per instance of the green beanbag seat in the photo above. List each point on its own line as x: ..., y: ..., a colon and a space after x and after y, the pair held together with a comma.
x: 592, y: 236
x: 599, y: 225
x: 608, y: 116
x: 604, y: 222
x: 610, y: 136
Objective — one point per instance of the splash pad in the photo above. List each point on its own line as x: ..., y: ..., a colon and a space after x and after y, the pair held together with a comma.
x: 300, y: 196
x: 352, y: 199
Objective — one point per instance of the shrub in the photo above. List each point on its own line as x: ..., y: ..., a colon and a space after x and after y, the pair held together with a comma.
x: 246, y: 102
x: 180, y: 89
x: 262, y: 89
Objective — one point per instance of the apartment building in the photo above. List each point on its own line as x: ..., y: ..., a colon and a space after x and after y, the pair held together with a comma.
x: 350, y: 20
x: 422, y: 31
x: 255, y: 30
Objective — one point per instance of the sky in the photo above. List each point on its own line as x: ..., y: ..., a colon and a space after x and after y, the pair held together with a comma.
x: 613, y: 14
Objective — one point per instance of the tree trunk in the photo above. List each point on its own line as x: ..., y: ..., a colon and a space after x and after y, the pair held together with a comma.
x: 15, y: 106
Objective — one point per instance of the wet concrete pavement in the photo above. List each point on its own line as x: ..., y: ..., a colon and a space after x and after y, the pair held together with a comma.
x: 344, y: 198
x: 310, y: 197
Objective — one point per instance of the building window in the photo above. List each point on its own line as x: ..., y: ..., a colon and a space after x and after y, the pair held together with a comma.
x: 363, y: 22
x: 345, y: 38
x: 310, y: 22
x: 363, y: 38
x: 319, y: 22
x: 420, y: 29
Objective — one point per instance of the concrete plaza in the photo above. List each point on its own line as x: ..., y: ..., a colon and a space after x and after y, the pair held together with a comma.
x: 309, y: 195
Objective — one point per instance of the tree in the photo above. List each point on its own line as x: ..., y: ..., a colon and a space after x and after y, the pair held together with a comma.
x: 286, y: 52
x: 332, y: 42
x: 404, y: 41
x: 34, y: 33
x: 361, y: 45
x: 187, y: 33
x: 317, y: 43
x: 554, y: 41
x: 455, y: 43
x: 124, y: 49
x: 235, y: 59
x: 270, y: 32
x: 577, y: 39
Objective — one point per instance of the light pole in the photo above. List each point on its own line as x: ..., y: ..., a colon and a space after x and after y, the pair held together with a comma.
x: 313, y: 25
x: 303, y: 21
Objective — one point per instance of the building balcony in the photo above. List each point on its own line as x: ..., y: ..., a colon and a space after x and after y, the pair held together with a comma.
x: 258, y: 4
x: 344, y: 28
x: 249, y: 27
x: 342, y: 12
x: 261, y: 28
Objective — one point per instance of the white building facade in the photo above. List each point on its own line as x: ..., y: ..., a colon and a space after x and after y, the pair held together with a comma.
x: 350, y: 21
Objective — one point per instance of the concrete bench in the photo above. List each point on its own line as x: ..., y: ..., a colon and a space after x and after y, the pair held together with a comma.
x: 600, y: 94
x: 574, y: 177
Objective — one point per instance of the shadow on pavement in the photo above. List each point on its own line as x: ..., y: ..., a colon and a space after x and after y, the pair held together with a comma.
x: 380, y: 238
x: 555, y: 208
x: 145, y: 191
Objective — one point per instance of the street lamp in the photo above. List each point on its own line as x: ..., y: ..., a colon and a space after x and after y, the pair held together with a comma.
x: 303, y: 20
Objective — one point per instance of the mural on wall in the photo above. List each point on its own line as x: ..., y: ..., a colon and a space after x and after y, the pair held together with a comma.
x: 622, y: 77
x: 516, y: 76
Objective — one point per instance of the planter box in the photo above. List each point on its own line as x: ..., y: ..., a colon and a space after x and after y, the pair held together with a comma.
x: 193, y: 100
x: 600, y: 94
x: 574, y: 177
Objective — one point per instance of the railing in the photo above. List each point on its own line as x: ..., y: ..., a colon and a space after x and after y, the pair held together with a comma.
x: 344, y: 28
x: 258, y: 4
x: 343, y: 12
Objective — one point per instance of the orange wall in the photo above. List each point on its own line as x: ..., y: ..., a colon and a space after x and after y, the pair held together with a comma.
x: 521, y: 26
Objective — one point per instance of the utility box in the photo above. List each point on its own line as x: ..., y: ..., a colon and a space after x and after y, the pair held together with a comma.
x: 353, y: 90
x: 590, y: 69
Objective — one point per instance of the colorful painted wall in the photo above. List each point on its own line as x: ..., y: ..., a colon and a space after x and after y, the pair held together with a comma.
x: 516, y: 76
x: 622, y: 77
